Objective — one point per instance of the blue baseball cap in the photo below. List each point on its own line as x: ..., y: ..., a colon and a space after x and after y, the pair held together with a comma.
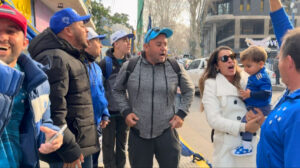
x: 155, y: 31
x: 64, y: 18
x: 92, y: 34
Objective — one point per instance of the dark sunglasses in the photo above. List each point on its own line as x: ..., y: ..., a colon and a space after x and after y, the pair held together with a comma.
x: 225, y: 58
x: 155, y: 29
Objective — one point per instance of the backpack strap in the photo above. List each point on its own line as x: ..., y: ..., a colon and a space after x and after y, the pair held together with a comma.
x: 131, y: 65
x: 108, y: 67
x: 175, y: 67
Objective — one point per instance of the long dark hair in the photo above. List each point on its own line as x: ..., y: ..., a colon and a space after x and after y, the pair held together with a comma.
x: 211, y: 71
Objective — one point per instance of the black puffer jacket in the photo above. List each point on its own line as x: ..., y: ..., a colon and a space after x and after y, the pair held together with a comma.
x: 70, y: 95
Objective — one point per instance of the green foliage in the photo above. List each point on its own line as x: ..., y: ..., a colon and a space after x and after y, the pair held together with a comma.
x: 104, y: 20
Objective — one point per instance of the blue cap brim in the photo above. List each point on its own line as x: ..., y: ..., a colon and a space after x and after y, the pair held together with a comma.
x: 85, y: 19
x: 166, y: 31
x: 101, y: 37
x: 127, y: 35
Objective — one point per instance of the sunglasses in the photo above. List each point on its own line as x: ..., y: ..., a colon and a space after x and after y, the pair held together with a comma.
x: 225, y: 58
x: 155, y: 29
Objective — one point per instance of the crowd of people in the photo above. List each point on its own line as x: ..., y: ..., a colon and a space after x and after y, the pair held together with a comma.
x: 57, y: 104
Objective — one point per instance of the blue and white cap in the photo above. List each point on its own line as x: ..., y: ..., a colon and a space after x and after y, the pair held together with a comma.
x: 92, y: 34
x: 64, y: 18
x: 118, y: 35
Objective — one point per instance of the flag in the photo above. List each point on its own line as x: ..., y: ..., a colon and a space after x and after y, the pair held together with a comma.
x: 149, y: 23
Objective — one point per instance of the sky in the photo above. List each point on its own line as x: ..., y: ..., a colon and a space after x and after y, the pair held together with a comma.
x: 123, y: 6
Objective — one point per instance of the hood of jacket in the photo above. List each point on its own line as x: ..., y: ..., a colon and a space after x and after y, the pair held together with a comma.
x: 110, y: 52
x: 48, y: 40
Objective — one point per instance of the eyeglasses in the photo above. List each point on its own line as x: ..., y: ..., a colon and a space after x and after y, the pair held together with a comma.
x: 155, y: 29
x: 225, y: 58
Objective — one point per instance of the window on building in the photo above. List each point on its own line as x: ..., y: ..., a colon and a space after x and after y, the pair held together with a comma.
x: 243, y: 43
x: 248, y: 7
x: 229, y: 43
x: 224, y: 7
x: 252, y: 26
x: 261, y: 5
x: 226, y: 30
x: 241, y: 5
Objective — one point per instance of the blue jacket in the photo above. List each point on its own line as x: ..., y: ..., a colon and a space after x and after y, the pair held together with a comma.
x: 259, y: 82
x: 281, y: 24
x: 39, y: 114
x: 280, y: 139
x: 98, y: 93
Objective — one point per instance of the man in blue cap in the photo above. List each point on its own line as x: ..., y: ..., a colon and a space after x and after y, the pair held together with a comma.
x: 149, y: 107
x: 61, y: 47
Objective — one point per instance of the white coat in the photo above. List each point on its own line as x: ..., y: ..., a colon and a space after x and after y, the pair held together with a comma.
x: 224, y: 110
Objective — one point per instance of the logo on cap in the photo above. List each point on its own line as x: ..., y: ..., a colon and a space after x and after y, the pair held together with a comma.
x: 66, y: 20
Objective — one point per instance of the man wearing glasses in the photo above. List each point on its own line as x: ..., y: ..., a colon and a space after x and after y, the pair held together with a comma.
x: 149, y: 108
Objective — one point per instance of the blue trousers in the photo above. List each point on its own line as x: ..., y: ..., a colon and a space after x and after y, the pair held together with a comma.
x: 86, y: 164
x: 247, y: 136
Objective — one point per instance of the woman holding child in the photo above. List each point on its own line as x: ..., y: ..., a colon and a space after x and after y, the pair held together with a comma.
x: 220, y: 88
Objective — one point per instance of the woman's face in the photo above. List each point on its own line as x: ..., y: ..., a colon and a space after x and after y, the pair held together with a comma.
x: 226, y: 64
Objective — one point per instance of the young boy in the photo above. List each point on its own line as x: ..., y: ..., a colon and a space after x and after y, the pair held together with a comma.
x: 258, y: 91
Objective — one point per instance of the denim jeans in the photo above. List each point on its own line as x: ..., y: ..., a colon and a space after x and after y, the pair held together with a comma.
x: 86, y: 164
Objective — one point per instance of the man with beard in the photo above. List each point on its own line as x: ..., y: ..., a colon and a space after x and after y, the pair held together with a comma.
x: 115, y: 134
x: 61, y: 48
x: 149, y: 107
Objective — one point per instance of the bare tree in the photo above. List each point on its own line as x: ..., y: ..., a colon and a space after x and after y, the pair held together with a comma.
x: 194, y: 8
x: 165, y: 13
x: 198, y: 13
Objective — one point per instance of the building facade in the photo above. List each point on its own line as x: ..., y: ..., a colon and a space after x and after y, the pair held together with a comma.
x: 231, y: 22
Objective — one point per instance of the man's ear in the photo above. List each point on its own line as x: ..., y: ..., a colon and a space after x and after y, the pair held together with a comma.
x: 146, y: 46
x: 25, y: 43
x: 291, y: 62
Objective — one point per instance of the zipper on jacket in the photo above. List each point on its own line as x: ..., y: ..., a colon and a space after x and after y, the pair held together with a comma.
x: 153, y: 72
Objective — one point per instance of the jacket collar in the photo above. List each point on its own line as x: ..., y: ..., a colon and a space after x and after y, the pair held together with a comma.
x: 34, y: 75
x: 224, y: 87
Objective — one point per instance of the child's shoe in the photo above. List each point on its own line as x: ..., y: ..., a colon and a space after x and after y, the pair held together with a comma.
x: 243, y: 150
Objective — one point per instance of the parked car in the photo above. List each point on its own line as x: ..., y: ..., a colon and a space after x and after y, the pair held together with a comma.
x: 271, y: 74
x: 196, y: 69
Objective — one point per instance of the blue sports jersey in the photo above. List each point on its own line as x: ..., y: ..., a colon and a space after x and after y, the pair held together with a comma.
x: 280, y: 139
x: 259, y: 82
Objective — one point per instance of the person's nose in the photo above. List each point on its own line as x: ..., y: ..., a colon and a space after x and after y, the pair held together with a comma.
x: 3, y: 37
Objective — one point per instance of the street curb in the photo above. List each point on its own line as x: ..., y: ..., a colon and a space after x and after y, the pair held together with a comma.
x: 278, y: 87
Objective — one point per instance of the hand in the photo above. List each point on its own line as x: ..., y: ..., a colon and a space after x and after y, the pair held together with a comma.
x: 176, y: 122
x: 47, y: 147
x: 104, y: 123
x: 131, y: 120
x: 250, y: 115
x: 261, y: 115
x: 253, y: 125
x: 245, y: 94
x: 75, y: 164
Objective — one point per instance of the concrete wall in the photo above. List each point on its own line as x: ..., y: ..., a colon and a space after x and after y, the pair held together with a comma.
x: 43, y: 15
